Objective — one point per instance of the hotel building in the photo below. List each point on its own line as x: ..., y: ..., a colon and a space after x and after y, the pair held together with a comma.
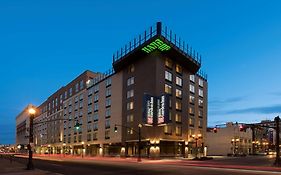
x: 154, y: 90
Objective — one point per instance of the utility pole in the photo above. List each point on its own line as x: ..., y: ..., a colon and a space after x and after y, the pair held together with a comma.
x: 277, y: 160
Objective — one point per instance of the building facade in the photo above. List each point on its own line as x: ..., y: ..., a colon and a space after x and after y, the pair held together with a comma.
x: 229, y: 140
x: 154, y: 92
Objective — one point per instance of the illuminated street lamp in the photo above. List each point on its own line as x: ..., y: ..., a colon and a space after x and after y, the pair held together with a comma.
x: 31, y: 112
x: 196, y: 138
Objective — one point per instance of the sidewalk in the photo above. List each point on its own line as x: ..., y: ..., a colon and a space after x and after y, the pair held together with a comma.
x: 9, y: 167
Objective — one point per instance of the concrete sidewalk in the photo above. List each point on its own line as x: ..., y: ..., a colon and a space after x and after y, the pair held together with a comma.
x: 11, y: 167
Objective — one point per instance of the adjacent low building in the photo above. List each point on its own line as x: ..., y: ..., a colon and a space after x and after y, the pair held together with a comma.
x: 230, y: 139
x: 154, y: 97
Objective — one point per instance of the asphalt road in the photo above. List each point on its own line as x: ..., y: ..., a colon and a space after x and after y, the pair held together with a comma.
x: 124, y: 168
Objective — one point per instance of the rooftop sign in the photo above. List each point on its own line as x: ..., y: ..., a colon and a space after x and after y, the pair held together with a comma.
x: 157, y: 44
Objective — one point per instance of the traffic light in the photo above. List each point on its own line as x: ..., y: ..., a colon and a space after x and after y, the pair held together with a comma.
x: 215, y: 129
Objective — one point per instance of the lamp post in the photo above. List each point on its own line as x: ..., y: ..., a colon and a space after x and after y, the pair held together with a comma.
x: 196, y: 138
x: 82, y: 152
x: 63, y: 149
x: 31, y: 112
x: 139, y: 138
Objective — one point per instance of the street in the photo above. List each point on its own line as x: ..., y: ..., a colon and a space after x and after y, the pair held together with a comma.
x: 129, y: 166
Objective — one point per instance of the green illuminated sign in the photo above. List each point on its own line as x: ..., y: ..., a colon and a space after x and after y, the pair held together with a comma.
x: 157, y: 44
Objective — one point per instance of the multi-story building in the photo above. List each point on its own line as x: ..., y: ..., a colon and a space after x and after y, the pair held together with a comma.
x: 154, y: 90
x: 230, y: 139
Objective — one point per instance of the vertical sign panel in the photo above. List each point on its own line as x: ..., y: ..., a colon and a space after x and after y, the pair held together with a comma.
x: 162, y: 109
x: 148, y: 106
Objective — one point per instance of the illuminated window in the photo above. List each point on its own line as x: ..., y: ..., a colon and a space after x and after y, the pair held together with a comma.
x: 191, y: 121
x: 192, y: 78
x: 178, y: 105
x: 130, y: 118
x: 178, y: 117
x: 130, y: 93
x: 191, y: 88
x: 200, y: 103
x: 168, y: 89
x: 178, y: 93
x: 130, y: 105
x: 191, y: 110
x: 178, y: 81
x: 168, y: 129
x: 191, y: 99
x: 107, y: 134
x: 168, y: 63
x: 130, y: 81
x: 200, y: 92
x: 130, y: 131
x: 178, y: 131
x: 201, y: 83
x: 200, y: 123
x: 131, y: 68
x: 168, y: 76
x: 178, y: 68
x: 191, y: 132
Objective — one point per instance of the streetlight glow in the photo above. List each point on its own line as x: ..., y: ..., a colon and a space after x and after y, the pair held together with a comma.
x: 31, y: 111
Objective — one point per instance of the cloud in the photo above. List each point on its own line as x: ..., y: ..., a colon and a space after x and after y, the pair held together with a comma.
x: 259, y: 110
x: 218, y: 102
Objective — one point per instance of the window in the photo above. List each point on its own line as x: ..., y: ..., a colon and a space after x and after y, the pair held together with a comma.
x: 65, y: 95
x: 191, y: 88
x: 201, y: 83
x: 200, y: 103
x: 130, y: 131
x: 130, y: 118
x: 81, y: 104
x: 130, y: 81
x: 131, y: 68
x: 76, y: 87
x: 108, y: 82
x: 90, y: 91
x: 168, y: 63
x: 200, y: 113
x: 96, y: 106
x: 178, y: 117
x: 89, y: 137
x: 168, y: 129
x: 178, y: 131
x: 95, y: 136
x: 178, y: 105
x: 168, y: 76
x: 81, y: 84
x: 89, y: 128
x: 107, y: 133
x: 81, y: 97
x: 130, y: 93
x: 96, y: 97
x: 192, y: 78
x: 191, y: 110
x: 107, y: 123
x: 200, y: 123
x: 178, y: 68
x: 108, y: 92
x: 70, y: 92
x: 81, y: 113
x: 107, y: 102
x: 95, y: 126
x: 90, y: 100
x: 191, y: 99
x: 89, y: 118
x: 191, y: 121
x: 168, y: 89
x: 191, y: 132
x: 107, y: 112
x: 89, y: 109
x: 95, y: 116
x: 178, y: 93
x: 96, y: 88
x: 178, y: 81
x: 200, y: 92
x: 130, y: 105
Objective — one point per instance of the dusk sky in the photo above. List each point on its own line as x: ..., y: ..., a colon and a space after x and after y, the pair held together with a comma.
x: 46, y: 44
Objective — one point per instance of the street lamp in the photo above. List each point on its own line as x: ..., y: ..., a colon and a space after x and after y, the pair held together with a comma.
x: 139, y: 139
x: 82, y: 149
x: 63, y: 149
x: 31, y: 112
x: 196, y: 138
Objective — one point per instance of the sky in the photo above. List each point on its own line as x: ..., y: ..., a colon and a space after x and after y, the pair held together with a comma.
x: 46, y: 44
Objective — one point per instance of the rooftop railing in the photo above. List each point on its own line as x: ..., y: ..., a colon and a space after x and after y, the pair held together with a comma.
x: 100, y: 77
x: 202, y: 74
x: 167, y: 34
